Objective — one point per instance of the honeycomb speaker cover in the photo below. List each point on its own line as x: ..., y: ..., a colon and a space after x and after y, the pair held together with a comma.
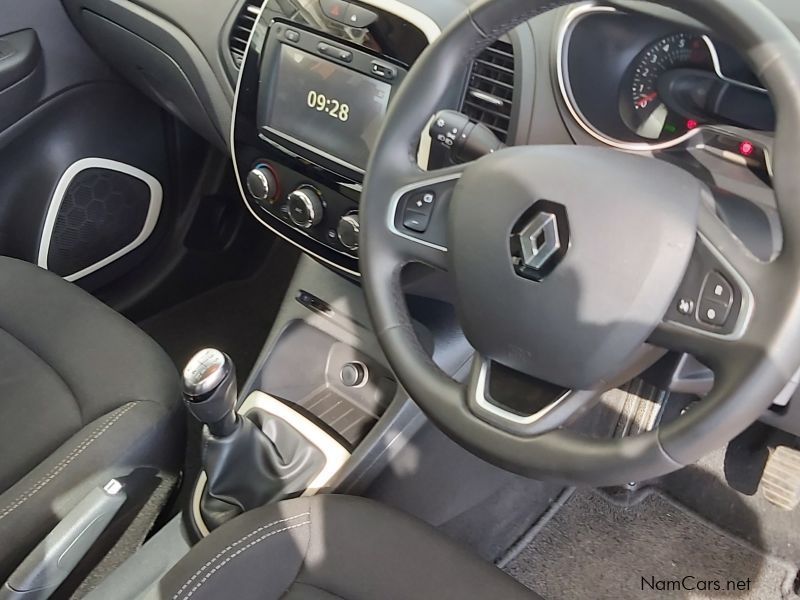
x: 102, y: 212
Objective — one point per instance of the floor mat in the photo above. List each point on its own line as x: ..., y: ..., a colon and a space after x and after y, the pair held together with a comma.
x: 723, y: 488
x: 235, y: 317
x: 593, y: 548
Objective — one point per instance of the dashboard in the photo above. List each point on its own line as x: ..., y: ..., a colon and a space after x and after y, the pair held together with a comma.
x: 296, y: 91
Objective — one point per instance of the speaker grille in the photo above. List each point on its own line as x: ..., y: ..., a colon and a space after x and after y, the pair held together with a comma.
x: 101, y: 213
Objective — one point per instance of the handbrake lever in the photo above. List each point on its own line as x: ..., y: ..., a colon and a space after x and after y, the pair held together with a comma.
x: 55, y: 557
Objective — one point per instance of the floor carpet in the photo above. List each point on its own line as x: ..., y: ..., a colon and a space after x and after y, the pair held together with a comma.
x: 592, y: 547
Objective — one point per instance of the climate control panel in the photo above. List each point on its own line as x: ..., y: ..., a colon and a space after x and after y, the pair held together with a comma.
x: 277, y: 193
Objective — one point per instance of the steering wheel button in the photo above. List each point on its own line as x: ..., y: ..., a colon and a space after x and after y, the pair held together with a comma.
x: 685, y: 306
x: 416, y: 221
x: 713, y: 313
x: 718, y: 289
x: 422, y: 202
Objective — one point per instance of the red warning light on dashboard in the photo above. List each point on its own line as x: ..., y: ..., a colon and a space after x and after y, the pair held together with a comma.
x: 692, y: 124
x: 747, y: 148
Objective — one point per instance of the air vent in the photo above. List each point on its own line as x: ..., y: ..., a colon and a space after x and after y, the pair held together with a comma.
x: 490, y: 95
x: 241, y: 30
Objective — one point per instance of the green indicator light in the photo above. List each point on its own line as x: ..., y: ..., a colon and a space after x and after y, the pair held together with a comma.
x: 670, y: 128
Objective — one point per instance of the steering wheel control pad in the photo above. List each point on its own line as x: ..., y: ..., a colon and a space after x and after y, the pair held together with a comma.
x: 711, y: 297
x: 612, y: 248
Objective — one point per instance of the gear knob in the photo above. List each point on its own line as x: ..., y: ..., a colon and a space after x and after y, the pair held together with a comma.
x: 209, y: 390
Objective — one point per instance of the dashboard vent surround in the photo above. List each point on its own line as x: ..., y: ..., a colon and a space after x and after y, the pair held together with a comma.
x: 489, y: 98
x: 240, y: 33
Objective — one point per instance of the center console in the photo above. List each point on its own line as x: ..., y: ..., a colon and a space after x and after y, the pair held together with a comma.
x: 315, y: 85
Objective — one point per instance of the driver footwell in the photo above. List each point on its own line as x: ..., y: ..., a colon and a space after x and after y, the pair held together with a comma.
x: 591, y: 546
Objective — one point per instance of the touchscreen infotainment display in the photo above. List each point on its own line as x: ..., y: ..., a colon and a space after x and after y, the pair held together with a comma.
x: 326, y: 107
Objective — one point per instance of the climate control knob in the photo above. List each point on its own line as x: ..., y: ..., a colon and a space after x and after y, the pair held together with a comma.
x: 262, y: 184
x: 305, y: 207
x: 348, y: 230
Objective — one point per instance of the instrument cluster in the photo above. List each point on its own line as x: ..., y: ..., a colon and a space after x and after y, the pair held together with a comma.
x: 636, y: 81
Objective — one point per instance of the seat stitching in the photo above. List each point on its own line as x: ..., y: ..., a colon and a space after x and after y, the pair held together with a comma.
x: 66, y: 461
x: 241, y: 550
x: 305, y: 556
x: 233, y: 545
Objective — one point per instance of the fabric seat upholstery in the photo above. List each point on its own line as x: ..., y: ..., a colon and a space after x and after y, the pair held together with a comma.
x: 333, y: 547
x: 84, y: 396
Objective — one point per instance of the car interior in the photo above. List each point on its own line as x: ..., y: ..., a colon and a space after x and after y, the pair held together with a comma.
x: 399, y: 299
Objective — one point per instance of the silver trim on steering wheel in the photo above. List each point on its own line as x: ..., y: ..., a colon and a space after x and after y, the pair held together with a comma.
x: 483, y: 402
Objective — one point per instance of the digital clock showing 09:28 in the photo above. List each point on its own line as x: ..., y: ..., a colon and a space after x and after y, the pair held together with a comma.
x: 330, y: 106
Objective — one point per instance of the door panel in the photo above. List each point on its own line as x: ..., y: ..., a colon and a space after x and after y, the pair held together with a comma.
x: 19, y: 56
x: 61, y: 105
x: 21, y: 74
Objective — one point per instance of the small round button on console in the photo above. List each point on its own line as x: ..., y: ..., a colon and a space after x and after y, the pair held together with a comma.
x: 261, y: 184
x: 348, y: 230
x: 354, y: 374
x: 305, y: 207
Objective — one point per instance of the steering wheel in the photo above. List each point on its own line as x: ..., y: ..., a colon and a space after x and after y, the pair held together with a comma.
x: 568, y: 259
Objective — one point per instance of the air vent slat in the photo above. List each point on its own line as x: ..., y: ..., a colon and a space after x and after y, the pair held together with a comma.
x: 490, y: 66
x: 489, y: 111
x: 240, y: 32
x: 489, y: 98
x: 493, y: 81
x: 497, y: 51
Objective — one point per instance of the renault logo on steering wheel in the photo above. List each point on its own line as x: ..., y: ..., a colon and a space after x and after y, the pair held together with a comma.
x: 539, y: 240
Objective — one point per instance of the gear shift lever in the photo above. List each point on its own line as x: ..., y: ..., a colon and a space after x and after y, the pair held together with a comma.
x: 248, y: 460
x: 209, y: 391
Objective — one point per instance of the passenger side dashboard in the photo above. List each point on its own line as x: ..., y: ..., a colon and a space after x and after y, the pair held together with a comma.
x: 169, y: 49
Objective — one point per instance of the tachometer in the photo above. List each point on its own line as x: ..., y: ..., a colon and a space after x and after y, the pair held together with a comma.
x: 642, y: 108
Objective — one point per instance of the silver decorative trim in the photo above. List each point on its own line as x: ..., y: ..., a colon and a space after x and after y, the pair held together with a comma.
x: 544, y: 225
x: 153, y: 211
x: 562, y: 74
x: 312, y: 148
x: 395, y: 203
x: 483, y: 402
x: 420, y: 20
x: 335, y: 454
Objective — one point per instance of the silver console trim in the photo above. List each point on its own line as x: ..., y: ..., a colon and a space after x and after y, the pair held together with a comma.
x: 335, y: 454
x: 420, y: 20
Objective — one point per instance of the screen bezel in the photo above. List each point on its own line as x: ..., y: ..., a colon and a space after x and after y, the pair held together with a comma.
x: 269, y: 73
